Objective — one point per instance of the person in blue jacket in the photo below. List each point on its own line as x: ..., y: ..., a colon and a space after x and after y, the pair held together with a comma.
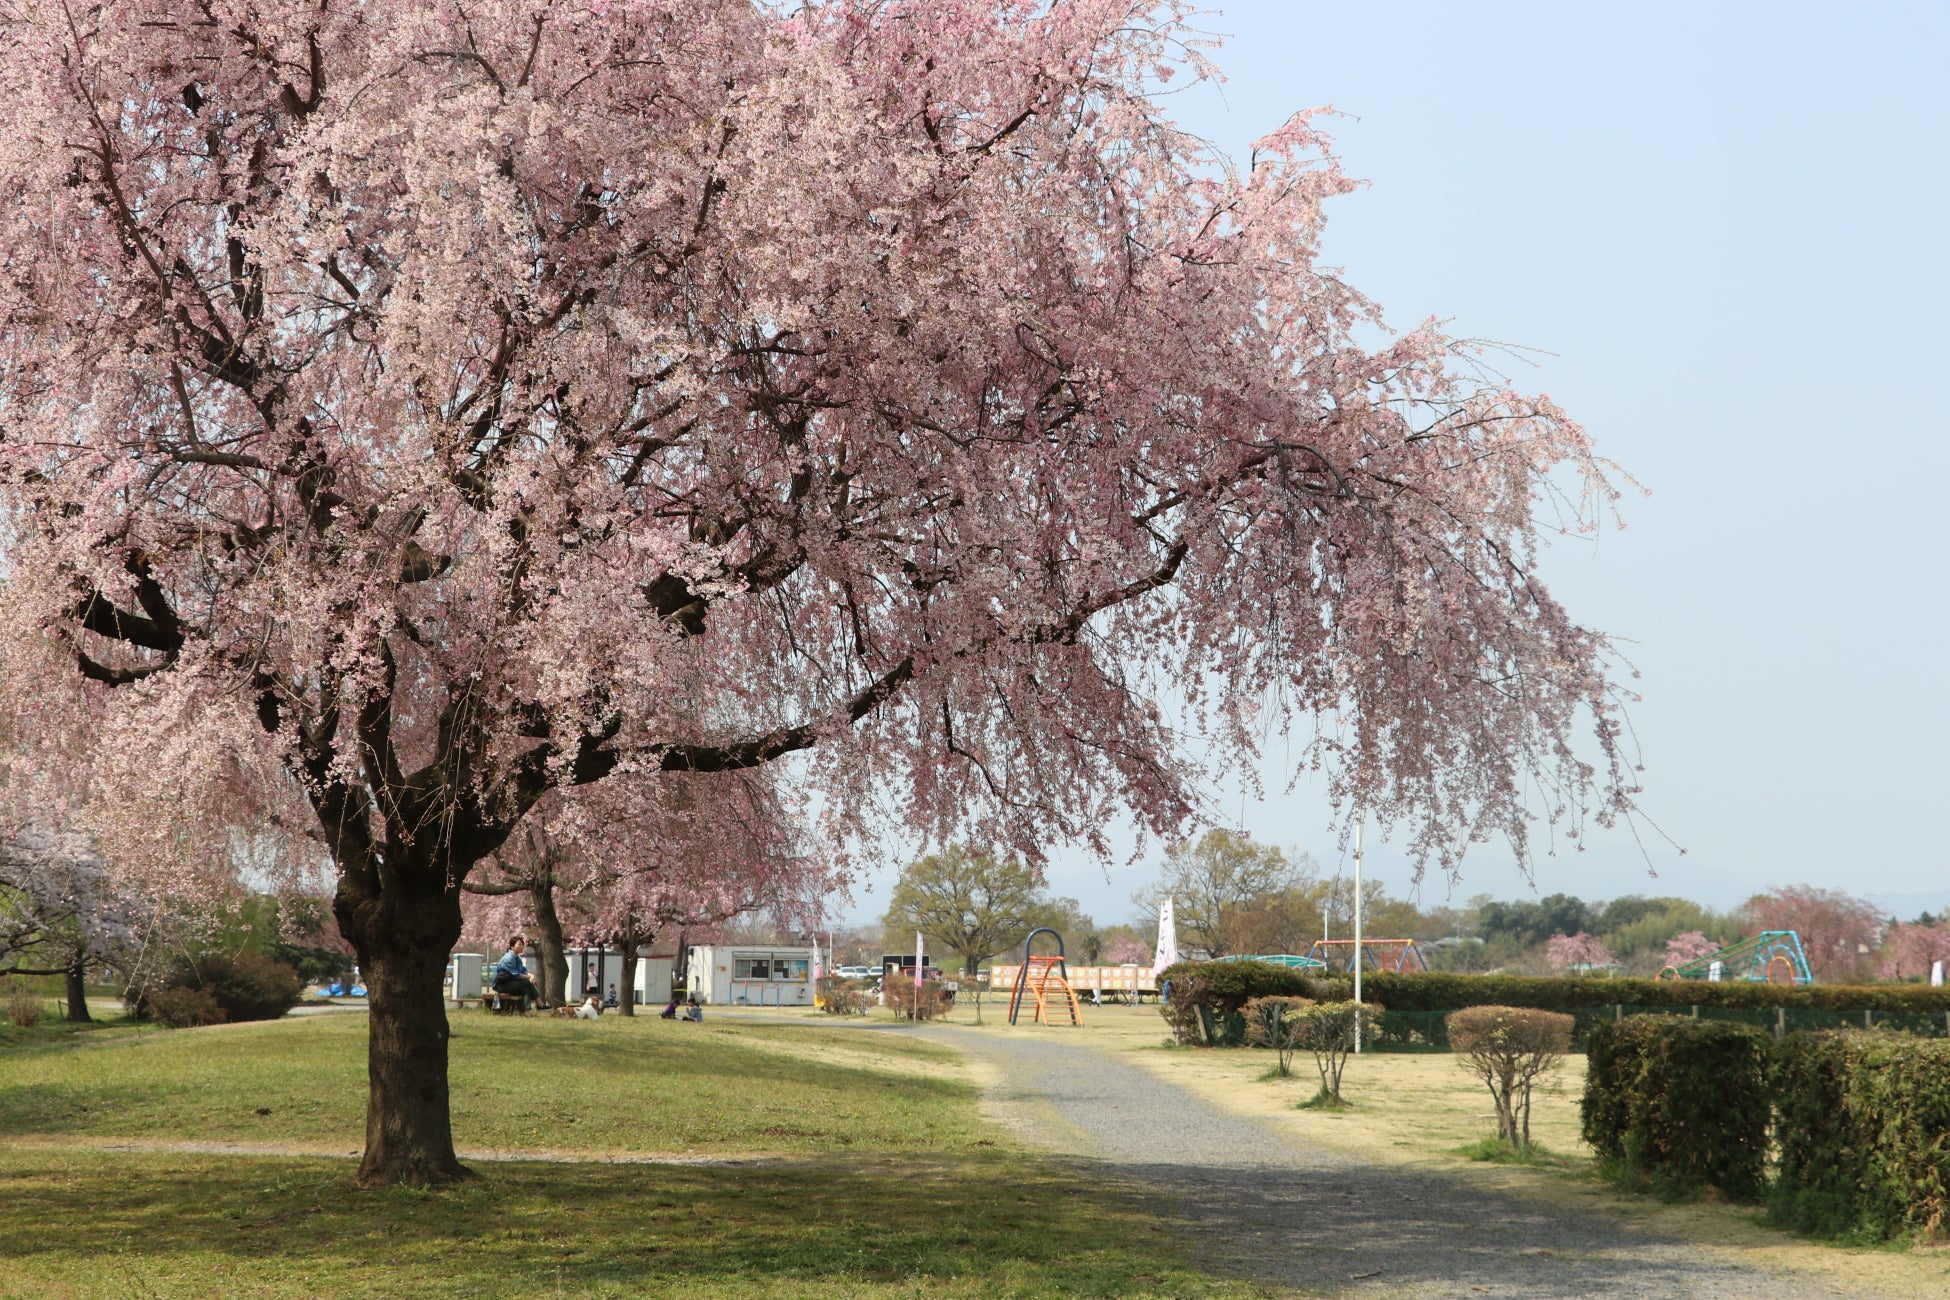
x: 511, y: 975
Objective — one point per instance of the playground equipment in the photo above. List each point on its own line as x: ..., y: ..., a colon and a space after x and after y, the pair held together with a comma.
x: 1396, y: 955
x: 1046, y: 979
x: 1282, y: 959
x: 1770, y: 957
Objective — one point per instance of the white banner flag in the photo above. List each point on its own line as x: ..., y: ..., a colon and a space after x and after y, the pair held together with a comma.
x: 1167, y: 940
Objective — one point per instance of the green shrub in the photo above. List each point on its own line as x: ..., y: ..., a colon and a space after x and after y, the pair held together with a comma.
x: 1450, y: 991
x: 179, y: 1008
x: 1677, y: 1104
x: 1230, y: 985
x: 249, y: 986
x: 1862, y: 1129
x: 1510, y: 1049
x: 1208, y: 998
x: 1276, y: 1022
x: 1206, y: 1006
x: 24, y: 1004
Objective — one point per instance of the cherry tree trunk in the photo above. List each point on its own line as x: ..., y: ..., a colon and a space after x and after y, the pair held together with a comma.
x: 548, y: 938
x: 626, y: 991
x: 77, y: 977
x: 404, y: 935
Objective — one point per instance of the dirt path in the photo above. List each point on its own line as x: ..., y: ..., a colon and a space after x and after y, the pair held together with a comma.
x: 1255, y: 1200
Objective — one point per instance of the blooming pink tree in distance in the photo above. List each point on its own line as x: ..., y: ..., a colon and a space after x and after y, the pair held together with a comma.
x: 1689, y: 947
x: 1567, y: 950
x: 1838, y: 930
x: 1910, y: 949
x: 443, y: 406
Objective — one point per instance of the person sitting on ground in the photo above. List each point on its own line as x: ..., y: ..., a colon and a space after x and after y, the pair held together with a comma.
x: 694, y: 1013
x: 589, y: 1010
x: 511, y: 975
x: 670, y: 1009
x: 609, y: 999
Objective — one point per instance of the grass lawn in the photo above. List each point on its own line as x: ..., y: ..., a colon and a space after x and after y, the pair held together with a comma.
x: 615, y: 1087
x: 861, y: 1170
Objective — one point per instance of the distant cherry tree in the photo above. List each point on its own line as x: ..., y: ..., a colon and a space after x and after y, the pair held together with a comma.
x: 438, y: 406
x: 62, y: 912
x: 1910, y: 949
x: 1564, y: 951
x: 1689, y: 947
x: 1838, y: 931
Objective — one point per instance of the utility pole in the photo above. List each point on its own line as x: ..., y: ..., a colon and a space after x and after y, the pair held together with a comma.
x: 1357, y: 930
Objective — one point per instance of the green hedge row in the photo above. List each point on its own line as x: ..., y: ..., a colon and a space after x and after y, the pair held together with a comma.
x: 1860, y: 1121
x: 1862, y: 1135
x: 1428, y: 1031
x: 1679, y: 1104
x: 1227, y: 986
x: 1440, y: 991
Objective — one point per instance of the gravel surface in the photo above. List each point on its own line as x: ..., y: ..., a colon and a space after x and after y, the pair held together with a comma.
x: 1298, y: 1216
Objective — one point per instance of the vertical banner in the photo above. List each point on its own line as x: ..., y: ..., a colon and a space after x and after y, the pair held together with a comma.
x: 917, y: 974
x: 1936, y: 973
x: 1167, y: 954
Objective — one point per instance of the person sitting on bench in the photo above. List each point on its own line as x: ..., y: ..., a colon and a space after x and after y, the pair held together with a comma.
x: 511, y: 976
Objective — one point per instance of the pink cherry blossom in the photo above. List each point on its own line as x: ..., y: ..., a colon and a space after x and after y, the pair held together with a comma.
x: 432, y: 409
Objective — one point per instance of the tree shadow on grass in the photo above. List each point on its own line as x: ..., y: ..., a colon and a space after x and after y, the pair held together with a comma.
x: 996, y: 1222
x: 1415, y: 1233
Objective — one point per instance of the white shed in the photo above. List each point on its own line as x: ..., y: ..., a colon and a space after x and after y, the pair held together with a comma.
x: 605, y: 965
x: 751, y: 975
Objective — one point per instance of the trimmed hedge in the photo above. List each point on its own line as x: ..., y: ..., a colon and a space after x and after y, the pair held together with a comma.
x: 1443, y: 991
x: 1862, y: 1130
x: 1414, y: 1005
x: 1205, y: 1006
x: 1230, y: 985
x: 1679, y: 1104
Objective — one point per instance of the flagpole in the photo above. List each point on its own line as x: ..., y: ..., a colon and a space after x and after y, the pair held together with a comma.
x: 1357, y: 933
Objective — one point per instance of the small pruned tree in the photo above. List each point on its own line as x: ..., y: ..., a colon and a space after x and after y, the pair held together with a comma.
x: 1278, y: 1023
x: 933, y: 1000
x: 1510, y: 1049
x: 1330, y: 1030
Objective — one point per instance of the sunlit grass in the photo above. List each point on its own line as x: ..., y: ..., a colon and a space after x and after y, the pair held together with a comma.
x: 618, y: 1085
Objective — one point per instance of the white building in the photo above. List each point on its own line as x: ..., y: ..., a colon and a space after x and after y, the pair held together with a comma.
x: 604, y: 967
x: 751, y: 975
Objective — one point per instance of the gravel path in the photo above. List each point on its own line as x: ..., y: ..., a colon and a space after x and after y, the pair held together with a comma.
x: 1307, y: 1218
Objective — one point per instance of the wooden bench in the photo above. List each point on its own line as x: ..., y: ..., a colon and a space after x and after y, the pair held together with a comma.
x: 502, y: 1004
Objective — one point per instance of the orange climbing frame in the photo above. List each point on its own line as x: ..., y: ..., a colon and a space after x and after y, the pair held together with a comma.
x: 1047, y: 980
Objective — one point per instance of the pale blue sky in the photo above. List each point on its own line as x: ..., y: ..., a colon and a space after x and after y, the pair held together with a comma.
x: 1727, y: 223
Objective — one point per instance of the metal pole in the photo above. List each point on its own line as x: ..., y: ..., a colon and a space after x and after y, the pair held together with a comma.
x: 1357, y: 933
